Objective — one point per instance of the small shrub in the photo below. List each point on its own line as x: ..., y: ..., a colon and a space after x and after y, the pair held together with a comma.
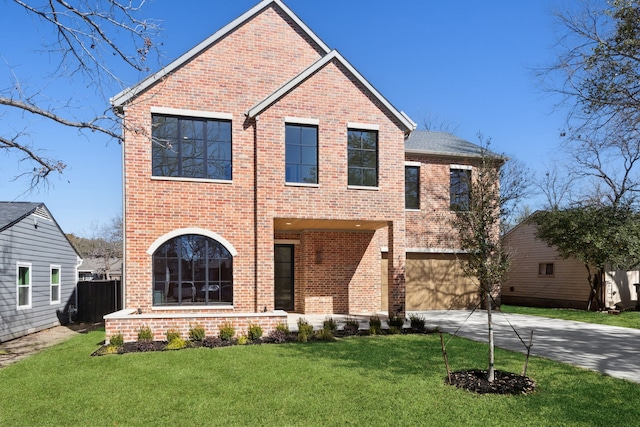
x: 325, y: 334
x: 330, y: 324
x: 305, y: 330
x: 145, y: 345
x: 145, y: 334
x: 417, y: 322
x: 116, y: 340
x: 227, y: 331
x: 176, y: 343
x: 396, y: 322
x: 375, y: 325
x: 172, y: 334
x: 394, y: 330
x: 351, y: 326
x: 277, y: 336
x: 242, y: 339
x: 283, y: 327
x: 196, y: 333
x: 254, y: 332
x: 212, y: 342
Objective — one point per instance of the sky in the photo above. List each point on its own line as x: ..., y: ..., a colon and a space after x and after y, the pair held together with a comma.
x: 467, y: 65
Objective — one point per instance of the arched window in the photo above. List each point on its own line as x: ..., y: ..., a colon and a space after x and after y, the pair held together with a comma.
x: 192, y: 270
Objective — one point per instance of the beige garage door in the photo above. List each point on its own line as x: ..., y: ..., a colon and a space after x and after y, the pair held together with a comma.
x: 435, y: 282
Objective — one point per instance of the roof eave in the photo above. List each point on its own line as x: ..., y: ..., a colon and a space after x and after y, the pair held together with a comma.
x: 127, y: 94
x: 334, y: 54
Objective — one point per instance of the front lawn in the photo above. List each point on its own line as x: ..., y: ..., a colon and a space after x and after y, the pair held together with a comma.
x: 626, y: 319
x: 369, y: 381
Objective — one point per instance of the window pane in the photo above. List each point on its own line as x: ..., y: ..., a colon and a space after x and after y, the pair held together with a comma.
x: 23, y: 276
x: 363, y: 158
x: 23, y: 295
x: 55, y: 293
x: 301, y: 154
x: 55, y: 276
x: 459, y: 189
x: 412, y: 187
x: 191, y: 148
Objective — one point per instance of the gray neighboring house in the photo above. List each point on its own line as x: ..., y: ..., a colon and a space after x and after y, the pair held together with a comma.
x: 38, y: 270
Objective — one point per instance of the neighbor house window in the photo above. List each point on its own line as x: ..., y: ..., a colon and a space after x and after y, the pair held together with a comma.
x: 192, y: 270
x: 545, y: 269
x: 412, y: 187
x: 191, y: 148
x: 55, y: 285
x: 363, y: 158
x: 301, y: 154
x: 24, y: 285
x: 459, y: 188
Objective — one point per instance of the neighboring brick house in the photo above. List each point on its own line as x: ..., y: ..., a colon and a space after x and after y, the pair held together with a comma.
x: 262, y: 174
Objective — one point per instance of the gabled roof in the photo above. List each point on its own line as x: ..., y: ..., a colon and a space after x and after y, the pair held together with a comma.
x: 13, y: 212
x: 334, y: 54
x: 440, y: 143
x: 126, y: 95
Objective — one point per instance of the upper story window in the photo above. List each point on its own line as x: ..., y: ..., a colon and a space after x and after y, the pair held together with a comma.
x: 191, y: 147
x: 459, y: 188
x: 301, y: 153
x: 412, y: 187
x: 363, y: 157
x: 24, y: 285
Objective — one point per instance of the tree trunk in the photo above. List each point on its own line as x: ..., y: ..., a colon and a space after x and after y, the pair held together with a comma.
x: 490, y: 371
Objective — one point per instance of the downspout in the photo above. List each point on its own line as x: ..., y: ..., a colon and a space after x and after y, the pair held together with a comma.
x: 255, y: 213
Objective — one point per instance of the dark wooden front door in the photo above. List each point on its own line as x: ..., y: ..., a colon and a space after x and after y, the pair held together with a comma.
x: 283, y: 286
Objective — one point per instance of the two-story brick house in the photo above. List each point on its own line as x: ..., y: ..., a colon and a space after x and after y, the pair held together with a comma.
x: 262, y: 174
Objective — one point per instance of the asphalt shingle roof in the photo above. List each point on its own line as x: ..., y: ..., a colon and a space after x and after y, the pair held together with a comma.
x: 440, y: 143
x: 12, y: 212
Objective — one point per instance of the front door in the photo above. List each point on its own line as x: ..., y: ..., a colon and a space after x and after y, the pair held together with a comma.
x: 283, y: 286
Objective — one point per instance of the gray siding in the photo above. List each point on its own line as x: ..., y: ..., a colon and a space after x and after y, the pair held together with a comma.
x: 42, y: 247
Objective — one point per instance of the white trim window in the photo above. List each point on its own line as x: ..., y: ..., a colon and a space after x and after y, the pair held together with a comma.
x: 54, y: 284
x: 23, y: 285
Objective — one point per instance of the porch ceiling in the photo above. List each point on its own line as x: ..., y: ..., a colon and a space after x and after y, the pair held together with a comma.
x: 301, y: 224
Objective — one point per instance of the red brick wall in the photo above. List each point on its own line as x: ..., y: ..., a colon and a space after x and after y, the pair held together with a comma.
x: 430, y: 228
x: 230, y: 77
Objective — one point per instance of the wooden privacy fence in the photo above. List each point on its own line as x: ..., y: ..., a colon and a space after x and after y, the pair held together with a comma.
x: 96, y: 298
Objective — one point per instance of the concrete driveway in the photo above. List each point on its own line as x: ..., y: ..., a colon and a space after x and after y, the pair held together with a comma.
x: 610, y: 350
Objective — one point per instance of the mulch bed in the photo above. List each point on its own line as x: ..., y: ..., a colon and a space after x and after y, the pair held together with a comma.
x: 475, y: 380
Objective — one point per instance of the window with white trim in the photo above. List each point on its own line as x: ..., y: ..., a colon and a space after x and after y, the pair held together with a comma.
x: 411, y: 187
x: 24, y: 285
x: 301, y: 146
x: 459, y: 188
x: 54, y: 286
x: 191, y: 147
x: 363, y: 158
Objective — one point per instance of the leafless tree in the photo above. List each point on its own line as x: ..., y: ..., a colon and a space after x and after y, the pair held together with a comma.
x: 91, y: 43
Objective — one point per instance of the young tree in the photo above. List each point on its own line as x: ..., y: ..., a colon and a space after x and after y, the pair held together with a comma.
x: 494, y: 188
x: 88, y: 44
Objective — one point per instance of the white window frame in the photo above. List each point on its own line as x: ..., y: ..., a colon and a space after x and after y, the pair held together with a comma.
x: 18, y: 286
x: 51, y: 284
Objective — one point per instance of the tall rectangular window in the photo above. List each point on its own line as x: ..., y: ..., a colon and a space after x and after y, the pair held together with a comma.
x: 412, y: 187
x: 55, y: 285
x: 363, y: 158
x: 24, y: 285
x: 301, y: 145
x: 459, y: 189
x: 191, y: 148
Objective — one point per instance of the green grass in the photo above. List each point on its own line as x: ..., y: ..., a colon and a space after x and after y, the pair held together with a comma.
x: 369, y: 381
x: 626, y: 319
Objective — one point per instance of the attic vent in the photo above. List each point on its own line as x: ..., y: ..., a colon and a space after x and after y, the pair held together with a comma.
x: 42, y: 213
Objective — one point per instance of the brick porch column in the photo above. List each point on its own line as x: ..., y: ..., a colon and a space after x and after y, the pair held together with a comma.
x: 396, y: 268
